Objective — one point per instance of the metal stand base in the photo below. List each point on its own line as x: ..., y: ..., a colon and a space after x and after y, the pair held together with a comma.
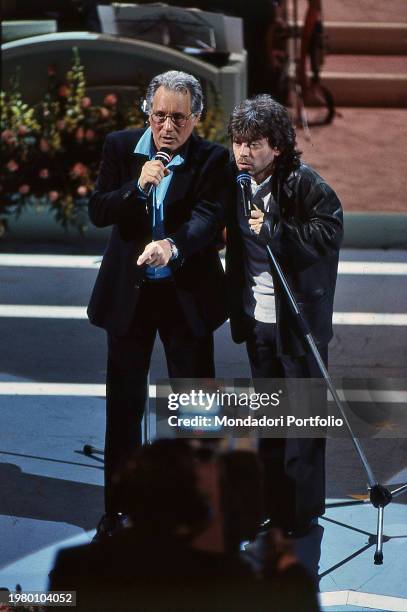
x: 379, y: 497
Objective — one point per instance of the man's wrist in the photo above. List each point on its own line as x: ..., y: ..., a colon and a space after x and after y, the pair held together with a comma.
x: 141, y: 190
x: 174, y: 249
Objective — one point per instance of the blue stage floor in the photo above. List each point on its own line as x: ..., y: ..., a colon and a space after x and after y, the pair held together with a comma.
x: 52, y: 497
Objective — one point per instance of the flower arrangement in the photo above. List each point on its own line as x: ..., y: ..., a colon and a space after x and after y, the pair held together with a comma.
x: 51, y: 151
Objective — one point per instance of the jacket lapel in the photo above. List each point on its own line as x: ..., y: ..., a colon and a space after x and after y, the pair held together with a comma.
x: 137, y: 160
x: 183, y: 175
x: 179, y: 185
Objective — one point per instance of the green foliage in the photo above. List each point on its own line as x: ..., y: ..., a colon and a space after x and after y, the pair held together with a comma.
x: 51, y: 151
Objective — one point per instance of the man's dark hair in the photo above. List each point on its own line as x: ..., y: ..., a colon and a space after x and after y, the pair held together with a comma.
x: 263, y: 117
x: 160, y: 491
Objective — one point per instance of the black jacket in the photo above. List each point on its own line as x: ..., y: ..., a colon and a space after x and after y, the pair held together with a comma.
x: 133, y: 573
x: 194, y: 208
x: 305, y: 235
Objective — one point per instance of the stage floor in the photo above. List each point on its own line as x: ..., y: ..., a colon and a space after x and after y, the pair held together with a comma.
x: 53, y: 497
x: 52, y: 403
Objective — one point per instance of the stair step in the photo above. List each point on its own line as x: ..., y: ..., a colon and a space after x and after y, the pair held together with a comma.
x: 366, y: 37
x: 367, y: 89
x: 360, y: 10
x: 370, y: 64
x: 366, y: 80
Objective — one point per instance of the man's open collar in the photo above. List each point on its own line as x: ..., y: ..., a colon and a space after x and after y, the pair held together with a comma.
x: 188, y: 150
x: 145, y: 147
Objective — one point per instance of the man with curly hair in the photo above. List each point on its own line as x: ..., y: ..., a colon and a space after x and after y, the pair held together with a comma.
x: 297, y: 215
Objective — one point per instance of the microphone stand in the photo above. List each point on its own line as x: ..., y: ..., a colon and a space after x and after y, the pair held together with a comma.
x: 380, y: 496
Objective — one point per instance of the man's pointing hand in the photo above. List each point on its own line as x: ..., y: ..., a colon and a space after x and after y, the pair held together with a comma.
x: 157, y: 253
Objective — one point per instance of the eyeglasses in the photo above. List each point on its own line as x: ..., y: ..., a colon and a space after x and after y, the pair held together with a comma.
x: 178, y: 119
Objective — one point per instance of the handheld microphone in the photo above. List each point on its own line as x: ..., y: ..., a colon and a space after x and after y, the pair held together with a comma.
x: 243, y: 179
x: 164, y: 155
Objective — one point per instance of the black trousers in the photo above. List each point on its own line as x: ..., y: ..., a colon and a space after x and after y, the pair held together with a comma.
x: 128, y: 364
x: 294, y: 469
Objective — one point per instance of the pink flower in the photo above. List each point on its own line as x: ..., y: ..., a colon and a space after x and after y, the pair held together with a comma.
x: 43, y: 173
x: 24, y: 189
x: 104, y: 112
x: 110, y: 100
x: 80, y: 133
x: 22, y: 130
x: 44, y: 145
x: 63, y: 91
x: 78, y: 170
x: 82, y: 191
x: 61, y: 124
x: 53, y: 196
x: 12, y: 165
x: 86, y: 102
x: 8, y: 136
x: 90, y: 134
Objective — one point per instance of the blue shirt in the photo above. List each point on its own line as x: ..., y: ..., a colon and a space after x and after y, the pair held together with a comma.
x: 145, y: 146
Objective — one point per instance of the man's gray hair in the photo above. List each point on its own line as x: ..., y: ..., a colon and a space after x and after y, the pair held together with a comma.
x: 175, y: 80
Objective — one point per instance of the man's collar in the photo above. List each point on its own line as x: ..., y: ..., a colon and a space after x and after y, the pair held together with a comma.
x: 256, y: 186
x: 146, y: 146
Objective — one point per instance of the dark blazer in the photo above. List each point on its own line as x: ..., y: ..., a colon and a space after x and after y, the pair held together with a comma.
x: 131, y: 572
x: 194, y: 213
x: 305, y: 234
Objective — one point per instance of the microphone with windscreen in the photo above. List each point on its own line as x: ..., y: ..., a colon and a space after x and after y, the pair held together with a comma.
x: 244, y: 181
x: 164, y: 155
